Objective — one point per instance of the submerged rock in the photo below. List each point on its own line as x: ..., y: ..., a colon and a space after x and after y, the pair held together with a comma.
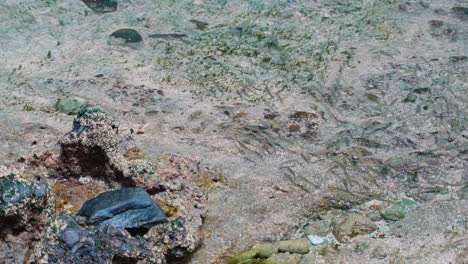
x: 25, y: 207
x: 101, y: 6
x: 116, y: 224
x: 67, y: 242
x: 398, y: 211
x: 352, y: 225
x: 18, y: 196
x: 70, y: 105
x: 127, y: 207
x: 393, y: 213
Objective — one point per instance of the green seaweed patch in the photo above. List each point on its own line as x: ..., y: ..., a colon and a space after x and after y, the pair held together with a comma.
x: 176, y: 224
x: 244, y: 256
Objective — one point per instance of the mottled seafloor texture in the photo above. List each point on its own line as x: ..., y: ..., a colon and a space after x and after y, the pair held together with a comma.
x: 309, y: 112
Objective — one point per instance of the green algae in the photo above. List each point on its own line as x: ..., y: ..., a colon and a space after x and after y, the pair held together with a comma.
x: 244, y: 256
x: 265, y: 250
x: 250, y: 59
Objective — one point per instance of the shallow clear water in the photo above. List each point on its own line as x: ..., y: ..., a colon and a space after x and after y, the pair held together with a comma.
x: 296, y: 102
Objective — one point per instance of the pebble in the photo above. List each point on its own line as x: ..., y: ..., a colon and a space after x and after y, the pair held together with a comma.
x: 70, y: 237
x: 315, y: 240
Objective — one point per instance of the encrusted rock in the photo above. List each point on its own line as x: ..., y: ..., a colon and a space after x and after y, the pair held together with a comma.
x: 25, y: 207
x: 18, y: 195
x: 95, y: 148
x: 94, y: 245
x: 92, y: 147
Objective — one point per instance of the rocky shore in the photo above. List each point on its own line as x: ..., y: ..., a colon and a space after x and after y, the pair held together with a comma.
x: 214, y: 132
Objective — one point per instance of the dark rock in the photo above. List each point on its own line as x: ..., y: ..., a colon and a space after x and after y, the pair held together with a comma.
x: 101, y: 6
x: 129, y: 35
x: 127, y: 207
x: 456, y: 59
x: 460, y: 12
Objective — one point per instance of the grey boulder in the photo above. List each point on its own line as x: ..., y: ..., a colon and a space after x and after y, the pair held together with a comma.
x: 126, y: 207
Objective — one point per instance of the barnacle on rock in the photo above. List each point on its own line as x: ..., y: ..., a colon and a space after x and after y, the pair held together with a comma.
x: 111, y: 225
